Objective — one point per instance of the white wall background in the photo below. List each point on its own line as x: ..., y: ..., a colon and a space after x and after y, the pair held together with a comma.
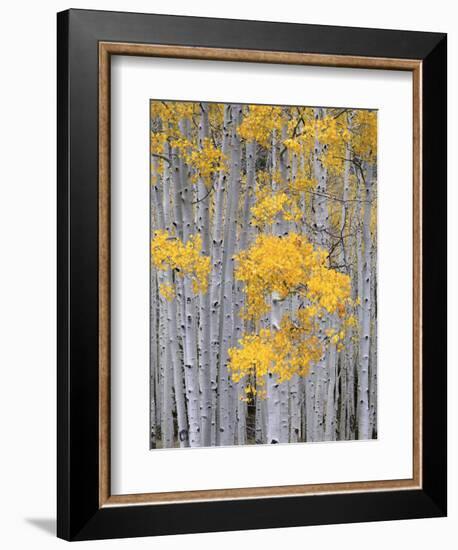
x: 27, y: 271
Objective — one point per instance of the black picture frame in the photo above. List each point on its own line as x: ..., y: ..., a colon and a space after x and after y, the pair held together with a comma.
x: 80, y: 516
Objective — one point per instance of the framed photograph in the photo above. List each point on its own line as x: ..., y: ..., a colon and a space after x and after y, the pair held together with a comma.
x: 251, y: 275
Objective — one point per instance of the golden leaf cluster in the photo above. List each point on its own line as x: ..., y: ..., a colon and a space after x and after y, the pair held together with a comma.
x: 364, y: 136
x: 186, y: 259
x: 259, y: 123
x: 269, y: 206
x: 281, y: 353
x: 167, y: 291
x: 280, y: 267
x: 206, y: 161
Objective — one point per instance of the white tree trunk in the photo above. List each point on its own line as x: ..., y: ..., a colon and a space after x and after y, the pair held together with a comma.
x: 272, y: 385
x: 373, y: 350
x: 167, y: 417
x: 364, y: 345
x: 203, y: 228
x: 330, y: 422
x: 295, y: 409
x: 154, y: 363
x: 225, y: 425
x: 259, y: 421
x: 190, y: 310
x: 321, y: 225
x: 345, y: 363
x: 216, y: 274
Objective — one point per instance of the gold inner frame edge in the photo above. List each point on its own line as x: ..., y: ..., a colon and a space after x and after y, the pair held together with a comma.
x: 106, y: 50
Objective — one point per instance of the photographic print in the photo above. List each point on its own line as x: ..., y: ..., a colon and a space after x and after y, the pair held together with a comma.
x: 263, y: 252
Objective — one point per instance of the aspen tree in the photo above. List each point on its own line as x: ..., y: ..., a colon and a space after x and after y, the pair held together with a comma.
x: 224, y: 386
x: 321, y: 222
x: 364, y: 348
x: 217, y: 266
x: 203, y: 228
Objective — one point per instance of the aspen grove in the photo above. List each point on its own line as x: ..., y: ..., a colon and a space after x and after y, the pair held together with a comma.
x: 263, y: 274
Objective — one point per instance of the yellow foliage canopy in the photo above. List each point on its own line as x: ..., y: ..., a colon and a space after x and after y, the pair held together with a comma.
x: 288, y: 265
x: 269, y: 206
x: 283, y: 353
x: 259, y: 123
x: 206, y: 161
x: 273, y: 268
x: 364, y: 137
x: 169, y: 252
x: 282, y: 267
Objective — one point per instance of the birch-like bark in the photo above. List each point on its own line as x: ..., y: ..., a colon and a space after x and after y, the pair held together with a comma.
x: 225, y: 425
x: 173, y: 366
x: 216, y: 274
x: 350, y: 420
x: 241, y: 415
x: 347, y: 353
x: 295, y: 387
x: 343, y: 410
x: 167, y: 417
x: 309, y: 386
x: 259, y: 421
x: 190, y: 366
x: 159, y: 223
x: 170, y: 356
x: 177, y: 198
x: 250, y: 152
x: 166, y: 192
x: 190, y: 310
x: 203, y: 228
x: 364, y: 345
x: 177, y: 333
x: 373, y: 350
x: 244, y: 228
x: 283, y: 230
x: 330, y: 419
x: 321, y: 224
x: 154, y: 358
x: 284, y: 411
x: 272, y: 386
x: 273, y: 394
x: 295, y: 409
x: 359, y: 294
